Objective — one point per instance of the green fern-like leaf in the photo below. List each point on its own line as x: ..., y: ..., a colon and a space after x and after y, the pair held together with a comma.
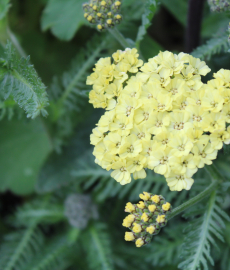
x: 150, y: 9
x: 68, y: 94
x: 51, y: 256
x: 19, y: 247
x: 213, y: 46
x: 97, y: 245
x: 201, y: 234
x: 19, y: 79
x: 165, y: 247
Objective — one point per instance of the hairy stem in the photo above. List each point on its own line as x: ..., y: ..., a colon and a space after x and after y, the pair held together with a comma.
x: 119, y: 37
x: 192, y: 37
x: 216, y: 179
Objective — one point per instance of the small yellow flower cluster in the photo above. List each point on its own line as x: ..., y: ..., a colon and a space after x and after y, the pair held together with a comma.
x: 146, y: 218
x: 104, y: 13
x: 159, y: 116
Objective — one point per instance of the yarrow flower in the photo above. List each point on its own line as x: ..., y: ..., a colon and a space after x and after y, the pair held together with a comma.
x: 159, y: 116
x: 104, y: 13
x: 146, y: 218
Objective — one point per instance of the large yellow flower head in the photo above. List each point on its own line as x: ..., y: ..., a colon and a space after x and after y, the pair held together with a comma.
x: 159, y: 116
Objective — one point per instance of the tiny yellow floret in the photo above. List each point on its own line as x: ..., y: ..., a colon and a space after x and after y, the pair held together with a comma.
x: 118, y: 16
x: 160, y: 219
x: 89, y: 18
x: 145, y: 217
x: 86, y: 15
x: 137, y: 228
x: 151, y: 229
x: 145, y: 197
x: 103, y: 3
x: 117, y: 3
x: 109, y: 14
x: 139, y: 242
x: 129, y: 207
x: 152, y: 208
x: 99, y: 27
x: 141, y: 205
x: 155, y: 198
x: 109, y: 21
x: 94, y: 7
x: 166, y: 206
x: 99, y: 14
x: 129, y: 236
x: 130, y: 218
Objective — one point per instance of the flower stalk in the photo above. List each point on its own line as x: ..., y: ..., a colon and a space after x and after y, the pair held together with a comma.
x: 119, y: 37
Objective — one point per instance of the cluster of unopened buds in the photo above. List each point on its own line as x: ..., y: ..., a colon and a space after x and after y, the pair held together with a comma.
x: 146, y: 218
x: 104, y: 13
x: 219, y: 5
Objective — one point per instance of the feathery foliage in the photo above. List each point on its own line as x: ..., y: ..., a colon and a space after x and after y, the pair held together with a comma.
x: 19, y: 247
x: 68, y: 94
x: 98, y: 248
x: 213, y: 46
x: 150, y: 9
x: 201, y: 233
x: 19, y: 79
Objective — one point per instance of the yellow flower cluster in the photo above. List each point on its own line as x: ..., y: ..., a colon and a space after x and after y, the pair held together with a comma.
x: 159, y: 116
x: 104, y: 13
x: 146, y: 218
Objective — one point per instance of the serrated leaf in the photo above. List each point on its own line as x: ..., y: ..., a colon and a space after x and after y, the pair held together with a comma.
x: 150, y: 9
x: 19, y: 79
x: 63, y: 17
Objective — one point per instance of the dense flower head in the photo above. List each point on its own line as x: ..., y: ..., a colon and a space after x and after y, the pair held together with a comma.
x: 219, y: 5
x: 159, y: 115
x: 104, y: 13
x: 146, y: 218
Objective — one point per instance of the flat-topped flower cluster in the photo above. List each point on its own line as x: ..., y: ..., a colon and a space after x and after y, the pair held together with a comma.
x: 159, y: 116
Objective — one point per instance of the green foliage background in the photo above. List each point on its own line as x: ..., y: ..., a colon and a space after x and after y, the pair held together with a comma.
x: 45, y: 154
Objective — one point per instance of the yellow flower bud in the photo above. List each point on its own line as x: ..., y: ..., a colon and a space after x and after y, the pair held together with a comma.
x: 94, y: 7
x: 139, y: 242
x: 117, y: 3
x: 145, y: 217
x: 151, y: 229
x: 160, y: 219
x: 130, y: 218
x: 99, y: 15
x: 118, y: 16
x: 137, y: 228
x: 109, y: 21
x: 145, y: 197
x: 109, y: 14
x: 99, y: 27
x: 89, y: 18
x: 166, y: 206
x: 103, y: 3
x: 129, y: 207
x: 126, y: 223
x: 141, y: 205
x: 152, y: 207
x: 129, y: 236
x: 155, y: 198
x: 86, y: 15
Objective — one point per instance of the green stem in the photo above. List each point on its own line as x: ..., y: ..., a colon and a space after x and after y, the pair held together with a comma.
x: 119, y: 37
x: 216, y: 179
